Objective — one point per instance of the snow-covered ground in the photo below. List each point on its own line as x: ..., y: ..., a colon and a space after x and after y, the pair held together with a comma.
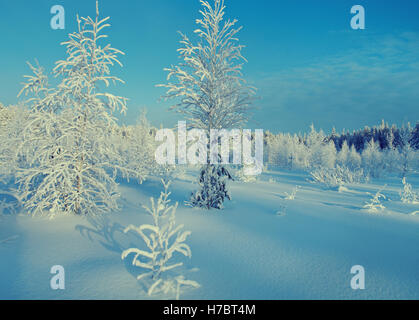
x: 261, y: 246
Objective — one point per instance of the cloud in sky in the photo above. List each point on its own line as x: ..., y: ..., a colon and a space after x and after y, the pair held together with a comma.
x: 377, y: 79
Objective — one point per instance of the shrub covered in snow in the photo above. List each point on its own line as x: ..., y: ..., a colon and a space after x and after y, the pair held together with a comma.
x: 163, y: 239
x: 291, y: 196
x: 286, y: 151
x: 376, y: 150
x: 337, y: 176
x: 374, y: 205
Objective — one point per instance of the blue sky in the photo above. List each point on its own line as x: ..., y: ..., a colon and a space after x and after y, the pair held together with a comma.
x: 306, y: 61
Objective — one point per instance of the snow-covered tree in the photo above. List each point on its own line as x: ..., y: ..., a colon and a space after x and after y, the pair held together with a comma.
x: 408, y: 195
x: 391, y: 160
x: 213, y: 188
x: 163, y: 240
x: 372, y: 159
x: 354, y: 159
x: 210, y: 89
x: 67, y: 139
x: 406, y: 151
x: 136, y: 146
x: 322, y: 153
x: 315, y: 137
x: 343, y: 154
x: 287, y: 151
x: 272, y: 149
x: 328, y: 155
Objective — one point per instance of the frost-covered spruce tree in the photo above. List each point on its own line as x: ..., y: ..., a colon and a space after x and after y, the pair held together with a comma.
x: 72, y: 163
x: 211, y: 91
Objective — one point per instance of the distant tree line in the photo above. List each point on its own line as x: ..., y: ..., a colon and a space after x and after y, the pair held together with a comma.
x: 385, y: 136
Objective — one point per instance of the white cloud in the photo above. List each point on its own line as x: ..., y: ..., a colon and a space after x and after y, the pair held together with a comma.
x: 378, y: 80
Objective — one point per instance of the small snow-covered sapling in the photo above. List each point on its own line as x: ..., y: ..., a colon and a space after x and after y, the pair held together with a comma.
x: 291, y: 196
x: 163, y: 239
x: 374, y: 204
